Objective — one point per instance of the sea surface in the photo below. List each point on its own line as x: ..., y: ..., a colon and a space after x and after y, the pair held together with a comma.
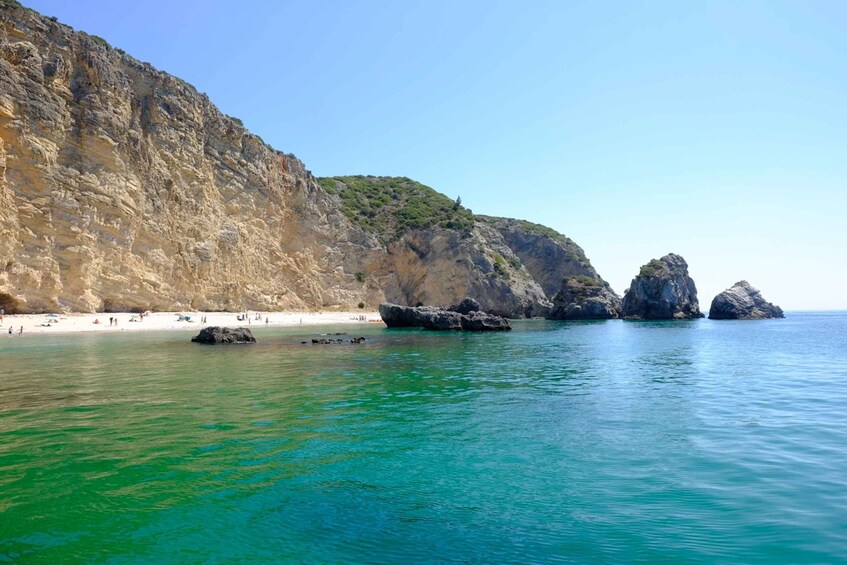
x: 616, y: 442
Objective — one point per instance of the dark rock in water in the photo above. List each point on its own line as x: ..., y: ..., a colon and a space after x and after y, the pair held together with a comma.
x: 466, y: 306
x: 332, y: 341
x: 742, y: 302
x: 216, y: 334
x: 662, y: 291
x: 433, y: 318
x: 585, y: 298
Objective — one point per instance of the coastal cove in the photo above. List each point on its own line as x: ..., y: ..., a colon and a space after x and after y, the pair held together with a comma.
x: 676, y: 441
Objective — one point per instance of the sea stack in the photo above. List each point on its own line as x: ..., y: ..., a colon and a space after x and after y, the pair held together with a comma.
x: 585, y: 298
x: 742, y: 302
x: 662, y: 290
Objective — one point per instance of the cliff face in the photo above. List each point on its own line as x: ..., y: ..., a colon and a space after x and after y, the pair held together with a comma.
x: 123, y: 188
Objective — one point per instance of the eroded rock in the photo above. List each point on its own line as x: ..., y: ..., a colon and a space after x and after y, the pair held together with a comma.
x: 217, y: 334
x: 585, y: 298
x: 742, y: 302
x: 441, y: 319
x: 662, y: 290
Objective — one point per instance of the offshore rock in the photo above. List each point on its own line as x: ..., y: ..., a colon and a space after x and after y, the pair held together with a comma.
x: 441, y: 319
x: 585, y: 298
x: 662, y: 290
x: 217, y: 334
x: 742, y: 302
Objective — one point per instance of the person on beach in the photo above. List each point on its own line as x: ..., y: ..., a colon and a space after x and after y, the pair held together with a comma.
x: 111, y: 319
x: 10, y: 331
x: 266, y: 320
x: 22, y: 331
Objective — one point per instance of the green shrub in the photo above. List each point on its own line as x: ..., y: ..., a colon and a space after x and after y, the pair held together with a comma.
x: 651, y: 269
x: 585, y: 280
x: 501, y: 270
x: 392, y: 206
x: 361, y: 305
x: 360, y: 276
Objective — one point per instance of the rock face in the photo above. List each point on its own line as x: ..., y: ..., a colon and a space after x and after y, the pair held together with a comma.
x: 662, y: 291
x: 217, y: 334
x: 742, y: 302
x: 434, y: 318
x: 122, y: 188
x: 585, y: 298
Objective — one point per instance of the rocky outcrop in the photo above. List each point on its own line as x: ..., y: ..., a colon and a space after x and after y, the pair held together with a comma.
x: 466, y: 306
x: 662, y: 291
x: 585, y: 298
x: 122, y: 188
x: 434, y: 318
x: 742, y: 302
x: 217, y: 334
x: 548, y: 256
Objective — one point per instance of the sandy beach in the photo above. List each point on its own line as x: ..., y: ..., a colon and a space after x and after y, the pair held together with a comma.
x: 40, y: 324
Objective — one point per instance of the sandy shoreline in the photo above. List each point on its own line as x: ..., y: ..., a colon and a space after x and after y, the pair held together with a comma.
x: 40, y: 324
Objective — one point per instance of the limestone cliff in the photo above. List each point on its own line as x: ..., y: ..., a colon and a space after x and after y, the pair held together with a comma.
x: 123, y: 188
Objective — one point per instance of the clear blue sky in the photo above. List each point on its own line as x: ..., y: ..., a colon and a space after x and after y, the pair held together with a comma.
x: 714, y: 130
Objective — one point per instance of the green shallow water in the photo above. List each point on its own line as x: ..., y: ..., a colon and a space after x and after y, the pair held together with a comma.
x: 685, y: 442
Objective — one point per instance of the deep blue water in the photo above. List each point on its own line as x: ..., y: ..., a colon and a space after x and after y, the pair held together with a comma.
x: 676, y: 442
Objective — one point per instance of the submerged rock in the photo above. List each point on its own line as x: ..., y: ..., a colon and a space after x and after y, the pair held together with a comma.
x: 585, y: 298
x: 742, y: 302
x: 217, y: 334
x: 333, y: 341
x: 662, y: 290
x: 434, y: 318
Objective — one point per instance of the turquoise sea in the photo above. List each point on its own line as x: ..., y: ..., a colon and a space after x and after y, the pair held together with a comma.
x: 659, y: 442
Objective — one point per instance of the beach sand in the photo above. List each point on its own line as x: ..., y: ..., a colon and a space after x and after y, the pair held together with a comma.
x: 165, y: 321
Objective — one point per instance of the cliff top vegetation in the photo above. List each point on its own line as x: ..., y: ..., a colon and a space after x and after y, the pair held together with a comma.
x: 391, y: 206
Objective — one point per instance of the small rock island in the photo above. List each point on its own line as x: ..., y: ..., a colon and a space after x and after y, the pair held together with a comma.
x: 662, y: 290
x: 464, y: 316
x: 217, y: 334
x: 585, y: 298
x: 742, y: 302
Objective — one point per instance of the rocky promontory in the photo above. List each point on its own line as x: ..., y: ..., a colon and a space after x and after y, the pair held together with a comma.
x: 217, y: 334
x: 742, y: 302
x: 585, y: 298
x: 442, y: 319
x: 662, y: 290
x: 123, y: 188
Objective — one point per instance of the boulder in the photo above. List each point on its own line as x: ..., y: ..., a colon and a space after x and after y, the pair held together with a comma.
x: 662, y: 290
x: 742, y: 302
x: 217, y: 334
x: 585, y: 298
x: 433, y: 318
x: 466, y: 306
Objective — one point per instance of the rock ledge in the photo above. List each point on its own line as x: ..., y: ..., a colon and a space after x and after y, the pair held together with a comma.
x: 442, y: 319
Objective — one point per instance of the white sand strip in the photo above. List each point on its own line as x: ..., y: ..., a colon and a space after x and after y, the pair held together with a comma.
x: 162, y: 321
